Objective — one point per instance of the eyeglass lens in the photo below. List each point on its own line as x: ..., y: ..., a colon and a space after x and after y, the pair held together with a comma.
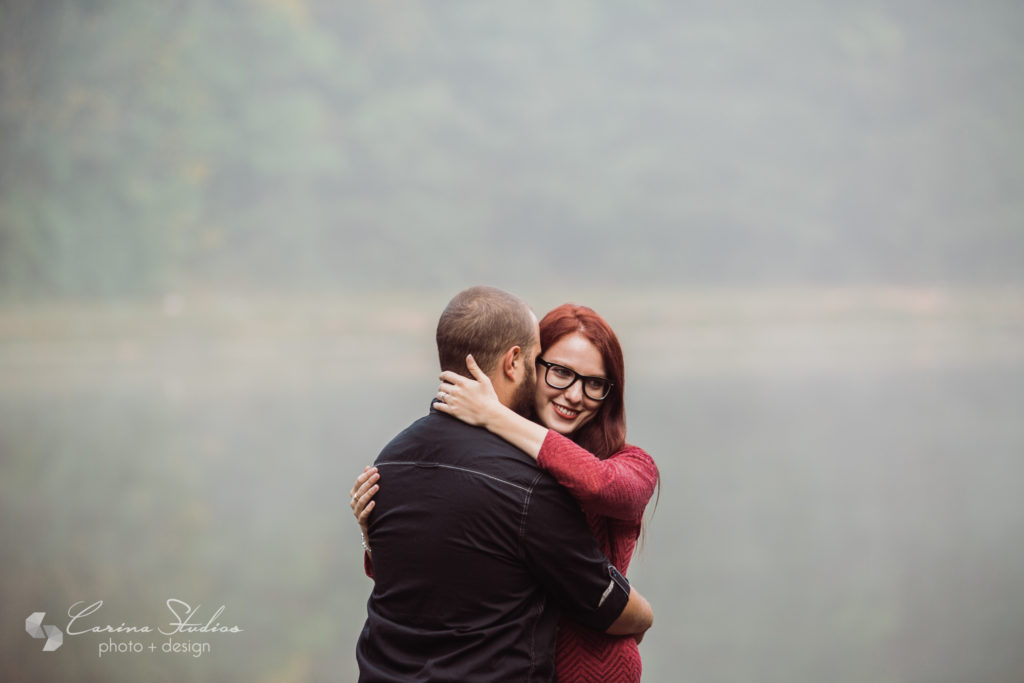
x: 561, y: 377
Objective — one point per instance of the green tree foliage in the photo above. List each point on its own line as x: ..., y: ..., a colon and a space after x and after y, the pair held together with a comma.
x: 148, y: 146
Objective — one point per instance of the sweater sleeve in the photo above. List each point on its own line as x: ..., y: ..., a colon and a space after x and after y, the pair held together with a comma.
x: 618, y: 487
x: 367, y: 564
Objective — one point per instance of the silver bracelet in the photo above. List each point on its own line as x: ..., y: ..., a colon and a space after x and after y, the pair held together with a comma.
x: 362, y: 539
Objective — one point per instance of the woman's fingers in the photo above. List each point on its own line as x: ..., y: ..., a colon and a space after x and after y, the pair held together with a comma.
x: 362, y: 494
x: 475, y: 370
x: 452, y: 378
x: 363, y: 515
x: 360, y: 479
x: 362, y: 505
x: 444, y: 394
x: 368, y: 485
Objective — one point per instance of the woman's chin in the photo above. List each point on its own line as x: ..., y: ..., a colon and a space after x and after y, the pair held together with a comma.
x: 557, y: 424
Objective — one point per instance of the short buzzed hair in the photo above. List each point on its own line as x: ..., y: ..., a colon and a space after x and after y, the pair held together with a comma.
x: 486, y: 322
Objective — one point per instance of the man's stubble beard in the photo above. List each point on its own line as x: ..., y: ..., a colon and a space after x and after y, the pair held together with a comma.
x: 523, y: 398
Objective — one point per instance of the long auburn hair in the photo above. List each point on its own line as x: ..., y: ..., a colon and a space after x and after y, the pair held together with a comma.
x: 605, y: 434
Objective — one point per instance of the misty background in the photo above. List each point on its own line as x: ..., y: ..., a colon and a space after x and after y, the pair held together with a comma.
x: 227, y: 231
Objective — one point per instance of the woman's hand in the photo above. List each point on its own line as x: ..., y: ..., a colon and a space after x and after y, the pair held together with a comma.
x: 473, y: 401
x: 361, y: 498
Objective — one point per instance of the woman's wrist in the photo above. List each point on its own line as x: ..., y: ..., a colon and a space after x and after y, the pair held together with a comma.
x: 492, y: 417
x: 365, y: 542
x: 498, y: 419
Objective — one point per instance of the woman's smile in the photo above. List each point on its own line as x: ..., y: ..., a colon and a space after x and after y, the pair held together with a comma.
x: 562, y: 411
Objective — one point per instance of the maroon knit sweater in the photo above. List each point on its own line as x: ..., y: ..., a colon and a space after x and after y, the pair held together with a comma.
x: 613, y: 493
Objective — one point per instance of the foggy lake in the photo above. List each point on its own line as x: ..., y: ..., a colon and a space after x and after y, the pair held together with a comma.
x: 227, y: 231
x: 841, y: 477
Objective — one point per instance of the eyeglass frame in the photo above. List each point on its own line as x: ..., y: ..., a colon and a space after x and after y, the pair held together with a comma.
x: 577, y: 377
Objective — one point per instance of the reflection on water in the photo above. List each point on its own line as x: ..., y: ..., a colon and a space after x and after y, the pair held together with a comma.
x: 841, y: 478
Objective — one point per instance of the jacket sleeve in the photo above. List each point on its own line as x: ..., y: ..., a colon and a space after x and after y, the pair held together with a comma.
x: 618, y: 487
x: 563, y: 556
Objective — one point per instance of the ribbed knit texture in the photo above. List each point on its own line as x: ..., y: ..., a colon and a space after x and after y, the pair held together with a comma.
x: 613, y: 493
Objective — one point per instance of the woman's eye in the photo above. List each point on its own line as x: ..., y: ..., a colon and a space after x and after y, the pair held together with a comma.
x: 561, y: 373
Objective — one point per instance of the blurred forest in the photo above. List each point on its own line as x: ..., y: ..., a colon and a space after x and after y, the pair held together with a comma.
x: 181, y: 145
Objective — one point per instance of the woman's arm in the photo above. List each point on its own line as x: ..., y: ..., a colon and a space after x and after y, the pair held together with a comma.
x: 618, y: 487
x: 475, y: 402
x: 636, y: 618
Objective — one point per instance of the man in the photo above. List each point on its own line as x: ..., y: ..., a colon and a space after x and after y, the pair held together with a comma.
x: 475, y: 549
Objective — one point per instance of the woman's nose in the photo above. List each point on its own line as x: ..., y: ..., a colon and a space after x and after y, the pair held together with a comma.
x: 575, y: 392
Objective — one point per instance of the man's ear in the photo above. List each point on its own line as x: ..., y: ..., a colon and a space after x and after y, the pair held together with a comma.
x: 512, y: 362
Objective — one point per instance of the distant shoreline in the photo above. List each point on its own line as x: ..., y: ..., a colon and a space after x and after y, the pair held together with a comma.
x: 237, y: 342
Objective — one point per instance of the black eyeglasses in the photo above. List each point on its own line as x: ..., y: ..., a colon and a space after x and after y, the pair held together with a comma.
x: 560, y: 377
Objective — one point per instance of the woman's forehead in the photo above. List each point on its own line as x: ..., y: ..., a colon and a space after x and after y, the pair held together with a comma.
x: 577, y: 352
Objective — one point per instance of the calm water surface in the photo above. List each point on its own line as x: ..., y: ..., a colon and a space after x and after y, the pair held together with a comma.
x: 842, y: 480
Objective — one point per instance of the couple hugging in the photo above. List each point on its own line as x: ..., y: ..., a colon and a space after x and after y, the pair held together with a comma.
x: 499, y: 527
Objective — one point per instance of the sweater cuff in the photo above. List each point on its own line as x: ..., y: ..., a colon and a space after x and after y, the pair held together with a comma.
x: 367, y: 564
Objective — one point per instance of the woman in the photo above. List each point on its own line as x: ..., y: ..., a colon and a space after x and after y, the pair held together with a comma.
x: 580, y: 440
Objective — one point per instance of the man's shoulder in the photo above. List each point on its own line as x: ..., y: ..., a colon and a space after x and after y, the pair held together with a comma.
x: 438, y: 435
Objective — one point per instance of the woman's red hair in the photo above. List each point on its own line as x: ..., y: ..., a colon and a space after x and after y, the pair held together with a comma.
x: 605, y: 434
